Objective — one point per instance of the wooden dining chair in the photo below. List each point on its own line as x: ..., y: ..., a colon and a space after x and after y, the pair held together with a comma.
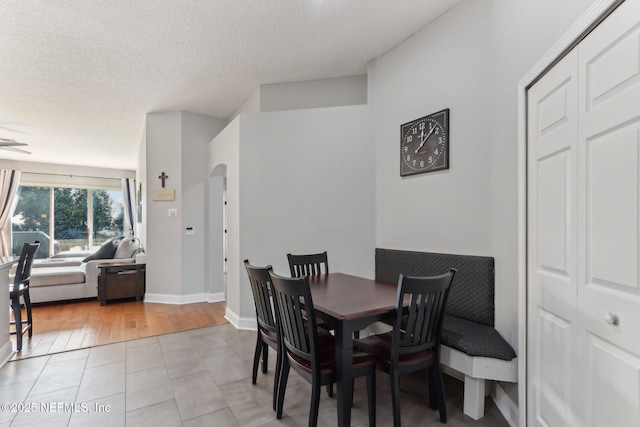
x: 20, y: 289
x: 414, y: 342
x: 313, y: 265
x: 309, y: 353
x: 308, y: 265
x: 267, y: 335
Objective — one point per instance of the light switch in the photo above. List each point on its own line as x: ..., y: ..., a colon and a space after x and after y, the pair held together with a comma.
x: 190, y: 231
x: 173, y: 212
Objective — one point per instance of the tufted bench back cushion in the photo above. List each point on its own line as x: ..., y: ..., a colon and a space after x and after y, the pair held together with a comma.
x: 472, y: 292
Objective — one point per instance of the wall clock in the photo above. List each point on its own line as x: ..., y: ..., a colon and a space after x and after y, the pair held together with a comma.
x: 424, y: 144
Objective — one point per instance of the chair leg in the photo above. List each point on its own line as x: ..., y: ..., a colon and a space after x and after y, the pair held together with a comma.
x: 437, y: 391
x: 315, y: 404
x: 17, y: 315
x: 265, y: 357
x: 395, y: 397
x: 353, y: 389
x: 433, y: 394
x: 276, y: 379
x: 282, y: 386
x: 27, y: 304
x: 256, y: 359
x: 371, y: 396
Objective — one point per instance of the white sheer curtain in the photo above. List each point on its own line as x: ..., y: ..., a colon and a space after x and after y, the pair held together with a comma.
x: 129, y: 200
x: 9, y: 183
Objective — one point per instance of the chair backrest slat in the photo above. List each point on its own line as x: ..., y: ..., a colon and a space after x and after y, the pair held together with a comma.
x: 261, y: 290
x: 294, y: 311
x: 308, y: 265
x: 23, y: 270
x: 422, y: 323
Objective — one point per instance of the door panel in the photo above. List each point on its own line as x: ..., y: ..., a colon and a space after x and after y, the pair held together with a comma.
x: 608, y: 217
x: 611, y: 215
x: 552, y: 198
x: 553, y: 205
x: 613, y: 384
x: 553, y: 368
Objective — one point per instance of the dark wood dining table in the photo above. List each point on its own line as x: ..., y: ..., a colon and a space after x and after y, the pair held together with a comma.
x: 346, y: 304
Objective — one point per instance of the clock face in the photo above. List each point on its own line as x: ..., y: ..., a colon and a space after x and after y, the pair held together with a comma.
x: 424, y: 144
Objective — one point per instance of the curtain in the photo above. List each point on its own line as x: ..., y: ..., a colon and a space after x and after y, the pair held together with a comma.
x: 9, y: 183
x: 128, y: 198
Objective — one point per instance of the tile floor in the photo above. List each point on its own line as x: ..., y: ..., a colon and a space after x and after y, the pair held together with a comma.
x: 200, y: 377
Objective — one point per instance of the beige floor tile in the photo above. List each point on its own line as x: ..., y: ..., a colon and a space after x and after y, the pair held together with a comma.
x: 107, y: 354
x: 163, y: 414
x: 144, y: 357
x: 181, y: 363
x: 148, y: 387
x: 103, y: 412
x: 197, y: 395
x: 223, y: 417
x: 102, y: 381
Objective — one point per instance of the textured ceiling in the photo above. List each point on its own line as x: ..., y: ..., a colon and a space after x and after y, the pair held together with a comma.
x: 77, y: 77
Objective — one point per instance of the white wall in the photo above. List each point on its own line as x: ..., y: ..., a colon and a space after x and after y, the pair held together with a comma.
x: 164, y: 233
x: 469, y: 60
x: 523, y: 32
x: 297, y: 181
x: 320, y: 93
x: 334, y: 92
x: 444, y: 66
x: 307, y: 185
x: 215, y: 241
x: 224, y: 153
x: 176, y: 143
x: 197, y: 132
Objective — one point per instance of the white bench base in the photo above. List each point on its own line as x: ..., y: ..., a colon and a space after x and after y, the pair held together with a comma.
x: 476, y: 370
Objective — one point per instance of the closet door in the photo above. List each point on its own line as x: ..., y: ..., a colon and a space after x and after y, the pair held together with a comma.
x: 609, y: 219
x: 552, y: 247
x: 583, y: 223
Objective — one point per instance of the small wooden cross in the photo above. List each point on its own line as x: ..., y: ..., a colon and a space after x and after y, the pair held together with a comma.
x: 163, y: 177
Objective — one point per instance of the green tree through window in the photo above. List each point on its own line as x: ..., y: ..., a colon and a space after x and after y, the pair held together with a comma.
x: 71, y: 215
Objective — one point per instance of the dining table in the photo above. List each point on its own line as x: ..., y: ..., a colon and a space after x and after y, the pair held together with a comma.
x: 346, y: 304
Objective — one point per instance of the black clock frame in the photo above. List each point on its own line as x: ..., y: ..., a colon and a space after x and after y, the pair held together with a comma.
x: 442, y: 118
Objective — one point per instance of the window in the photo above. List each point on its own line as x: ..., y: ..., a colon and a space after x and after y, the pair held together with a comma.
x: 66, y: 219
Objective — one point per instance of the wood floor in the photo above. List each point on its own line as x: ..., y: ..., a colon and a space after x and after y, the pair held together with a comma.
x: 75, y: 325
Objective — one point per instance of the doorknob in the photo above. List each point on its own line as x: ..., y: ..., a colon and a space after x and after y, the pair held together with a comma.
x: 611, y: 319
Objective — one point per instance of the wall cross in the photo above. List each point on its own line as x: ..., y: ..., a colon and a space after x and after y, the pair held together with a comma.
x: 163, y: 177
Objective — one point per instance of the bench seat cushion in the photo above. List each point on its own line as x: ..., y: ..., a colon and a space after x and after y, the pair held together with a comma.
x: 52, y: 276
x: 475, y: 339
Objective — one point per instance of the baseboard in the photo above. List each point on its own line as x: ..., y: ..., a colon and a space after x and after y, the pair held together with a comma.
x: 184, y: 299
x: 6, y: 353
x: 507, y: 407
x: 216, y: 297
x: 244, y: 323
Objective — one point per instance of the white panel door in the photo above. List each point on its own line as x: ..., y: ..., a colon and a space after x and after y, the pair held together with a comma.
x: 583, y: 224
x: 609, y: 219
x: 552, y: 245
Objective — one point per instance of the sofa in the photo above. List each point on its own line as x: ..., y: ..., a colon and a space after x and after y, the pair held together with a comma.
x: 63, y: 279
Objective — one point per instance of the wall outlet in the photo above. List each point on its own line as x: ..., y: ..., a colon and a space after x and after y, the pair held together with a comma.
x: 190, y: 231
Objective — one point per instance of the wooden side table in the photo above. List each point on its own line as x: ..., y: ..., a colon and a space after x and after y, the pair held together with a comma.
x: 118, y: 281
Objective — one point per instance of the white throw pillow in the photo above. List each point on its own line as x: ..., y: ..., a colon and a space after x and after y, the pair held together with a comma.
x: 128, y: 248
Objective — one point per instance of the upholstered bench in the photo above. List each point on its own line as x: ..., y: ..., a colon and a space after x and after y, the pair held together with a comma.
x: 470, y: 344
